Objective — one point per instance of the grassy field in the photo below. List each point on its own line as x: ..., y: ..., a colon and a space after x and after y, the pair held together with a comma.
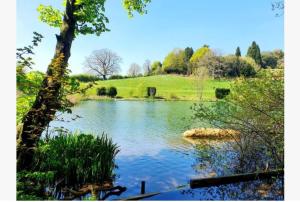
x: 169, y: 87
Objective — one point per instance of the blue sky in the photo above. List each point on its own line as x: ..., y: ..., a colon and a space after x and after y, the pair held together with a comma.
x: 169, y: 24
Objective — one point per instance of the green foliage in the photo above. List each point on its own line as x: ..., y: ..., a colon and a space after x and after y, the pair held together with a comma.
x: 85, y: 77
x: 255, y: 107
x: 188, y: 53
x: 199, y: 54
x: 77, y: 158
x: 101, y: 91
x: 247, y: 70
x: 174, y: 62
x: 31, y: 185
x: 112, y: 91
x: 113, y: 77
x: 237, y: 66
x: 156, y: 68
x: 222, y: 92
x: 272, y: 59
x: 137, y: 5
x: 27, y: 83
x: 233, y: 66
x: 88, y: 14
x: 51, y: 16
x: 254, y: 52
x: 27, y: 88
x: 23, y: 54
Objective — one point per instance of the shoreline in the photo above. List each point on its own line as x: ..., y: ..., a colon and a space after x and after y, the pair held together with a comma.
x: 77, y: 99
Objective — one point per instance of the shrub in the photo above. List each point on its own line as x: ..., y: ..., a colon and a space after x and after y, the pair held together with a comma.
x: 85, y: 77
x: 151, y: 91
x: 31, y: 185
x: 117, y: 77
x: 248, y: 71
x: 101, y: 91
x: 222, y: 92
x: 112, y: 91
x: 255, y: 107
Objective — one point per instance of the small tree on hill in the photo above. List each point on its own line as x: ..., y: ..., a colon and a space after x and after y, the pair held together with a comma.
x: 188, y: 53
x: 174, y: 62
x: 156, y: 67
x: 134, y: 70
x: 238, y: 52
x: 103, y: 63
x: 254, y: 52
x: 147, y: 67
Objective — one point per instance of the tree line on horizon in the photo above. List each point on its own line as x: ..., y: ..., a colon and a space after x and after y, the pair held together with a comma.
x: 105, y: 63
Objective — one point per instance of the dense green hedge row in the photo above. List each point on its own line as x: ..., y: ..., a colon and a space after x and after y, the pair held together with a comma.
x: 111, y: 91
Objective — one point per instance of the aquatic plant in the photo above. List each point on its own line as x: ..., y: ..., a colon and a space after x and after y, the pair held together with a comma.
x: 77, y: 158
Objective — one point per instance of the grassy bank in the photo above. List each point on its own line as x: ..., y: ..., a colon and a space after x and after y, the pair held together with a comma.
x: 169, y: 87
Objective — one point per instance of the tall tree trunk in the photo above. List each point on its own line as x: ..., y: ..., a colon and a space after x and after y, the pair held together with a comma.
x: 47, y: 101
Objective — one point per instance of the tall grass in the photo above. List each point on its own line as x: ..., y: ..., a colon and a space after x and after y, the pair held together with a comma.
x: 78, y: 158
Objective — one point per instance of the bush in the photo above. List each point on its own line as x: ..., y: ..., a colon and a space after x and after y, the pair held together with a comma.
x: 175, y: 70
x: 112, y: 91
x: 255, y: 107
x: 222, y: 92
x: 85, y: 77
x: 248, y: 71
x: 101, y: 91
x: 151, y: 91
x: 116, y: 77
x: 31, y: 185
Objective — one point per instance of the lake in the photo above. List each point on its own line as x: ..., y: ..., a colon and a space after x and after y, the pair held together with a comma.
x: 149, y: 135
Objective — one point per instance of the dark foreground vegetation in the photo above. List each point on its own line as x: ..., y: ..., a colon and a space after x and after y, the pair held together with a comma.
x: 66, y: 163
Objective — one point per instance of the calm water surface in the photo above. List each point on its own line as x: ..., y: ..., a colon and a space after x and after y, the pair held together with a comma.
x: 149, y: 135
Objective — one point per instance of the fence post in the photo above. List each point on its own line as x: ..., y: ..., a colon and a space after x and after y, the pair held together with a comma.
x: 143, y: 183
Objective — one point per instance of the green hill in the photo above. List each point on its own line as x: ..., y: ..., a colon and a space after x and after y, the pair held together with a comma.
x: 170, y: 87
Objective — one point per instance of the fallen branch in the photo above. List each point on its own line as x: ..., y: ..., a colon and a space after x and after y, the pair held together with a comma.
x: 215, y: 181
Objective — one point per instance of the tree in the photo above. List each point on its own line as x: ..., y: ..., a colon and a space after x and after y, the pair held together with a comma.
x: 147, y: 67
x: 232, y: 66
x: 134, y: 70
x: 213, y: 62
x: 272, y: 59
x: 198, y: 55
x: 238, y: 52
x: 237, y: 66
x: 79, y: 17
x: 188, y: 53
x: 255, y: 107
x: 254, y: 52
x: 174, y: 62
x: 103, y: 63
x: 156, y: 67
